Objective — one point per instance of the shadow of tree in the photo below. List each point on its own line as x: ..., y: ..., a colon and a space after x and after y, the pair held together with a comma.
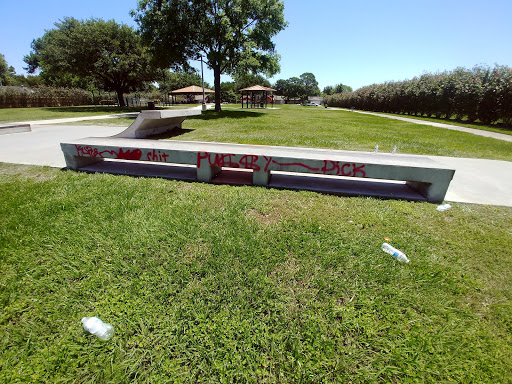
x: 168, y: 135
x: 226, y: 114
x: 92, y: 108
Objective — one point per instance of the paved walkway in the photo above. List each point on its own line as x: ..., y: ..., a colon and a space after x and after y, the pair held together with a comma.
x: 479, y: 132
x: 74, y: 119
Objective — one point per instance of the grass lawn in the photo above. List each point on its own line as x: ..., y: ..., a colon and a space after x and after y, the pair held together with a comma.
x: 498, y: 127
x: 298, y: 126
x: 215, y: 283
x: 210, y: 283
x: 28, y: 114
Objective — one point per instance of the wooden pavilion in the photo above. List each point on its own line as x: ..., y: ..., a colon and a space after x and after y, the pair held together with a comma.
x: 192, y: 90
x: 258, y: 95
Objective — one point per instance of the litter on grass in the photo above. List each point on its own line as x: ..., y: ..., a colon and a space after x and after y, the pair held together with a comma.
x: 443, y: 207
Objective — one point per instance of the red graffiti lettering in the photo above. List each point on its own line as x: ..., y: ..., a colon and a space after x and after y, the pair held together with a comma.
x: 357, y: 170
x: 334, y: 166
x: 157, y: 156
x: 269, y: 160
x: 224, y: 160
x: 220, y: 160
x: 201, y: 156
x: 343, y: 173
x: 129, y: 155
x: 249, y: 162
x: 91, y: 152
x: 296, y: 164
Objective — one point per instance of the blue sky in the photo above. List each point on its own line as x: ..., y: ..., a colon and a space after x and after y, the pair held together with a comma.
x: 356, y: 42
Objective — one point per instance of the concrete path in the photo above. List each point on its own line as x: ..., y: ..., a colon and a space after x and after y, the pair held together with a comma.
x: 74, y: 119
x: 479, y: 132
x: 476, y: 181
x: 42, y: 145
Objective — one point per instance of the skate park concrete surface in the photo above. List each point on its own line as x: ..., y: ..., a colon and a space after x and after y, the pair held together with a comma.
x: 476, y: 181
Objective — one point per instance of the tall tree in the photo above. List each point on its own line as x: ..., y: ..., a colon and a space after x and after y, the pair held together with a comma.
x: 341, y: 88
x: 298, y: 87
x: 328, y: 90
x: 231, y: 35
x: 310, y: 85
x: 109, y: 53
x: 170, y: 81
x: 228, y: 92
x: 6, y: 72
x: 338, y: 88
x: 246, y: 80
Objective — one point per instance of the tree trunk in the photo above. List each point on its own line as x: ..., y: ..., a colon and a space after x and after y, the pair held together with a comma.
x: 120, y: 98
x: 216, y: 81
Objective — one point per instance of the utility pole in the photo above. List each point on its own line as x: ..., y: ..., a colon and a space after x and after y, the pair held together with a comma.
x: 202, y: 83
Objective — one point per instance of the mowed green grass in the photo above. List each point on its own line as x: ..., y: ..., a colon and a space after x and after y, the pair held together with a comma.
x: 299, y: 126
x: 213, y: 283
x: 8, y: 115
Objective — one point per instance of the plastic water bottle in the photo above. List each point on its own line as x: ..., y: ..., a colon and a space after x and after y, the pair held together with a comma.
x: 399, y: 255
x: 444, y: 207
x: 376, y: 148
x: 98, y: 328
x: 394, y: 150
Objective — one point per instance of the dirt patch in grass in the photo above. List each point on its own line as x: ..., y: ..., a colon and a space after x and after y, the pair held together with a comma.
x: 35, y: 173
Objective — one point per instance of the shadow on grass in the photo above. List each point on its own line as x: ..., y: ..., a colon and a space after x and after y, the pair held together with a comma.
x: 169, y: 135
x: 212, y: 115
x: 92, y: 108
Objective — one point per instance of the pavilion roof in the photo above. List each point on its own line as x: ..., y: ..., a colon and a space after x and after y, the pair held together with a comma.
x: 258, y: 88
x: 191, y: 90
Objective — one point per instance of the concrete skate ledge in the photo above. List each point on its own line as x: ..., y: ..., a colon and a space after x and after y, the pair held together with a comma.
x: 156, y: 122
x: 342, y: 172
x: 14, y: 128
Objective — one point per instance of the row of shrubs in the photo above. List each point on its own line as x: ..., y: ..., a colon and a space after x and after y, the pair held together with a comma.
x: 481, y: 93
x: 43, y: 96
x: 16, y: 97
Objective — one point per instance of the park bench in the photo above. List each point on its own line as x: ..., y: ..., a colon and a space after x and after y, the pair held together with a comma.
x: 332, y: 171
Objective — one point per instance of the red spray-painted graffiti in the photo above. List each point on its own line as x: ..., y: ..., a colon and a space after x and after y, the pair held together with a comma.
x: 129, y: 155
x: 227, y: 160
x: 134, y: 154
x: 343, y: 169
x: 251, y: 162
x: 157, y: 156
x: 231, y: 160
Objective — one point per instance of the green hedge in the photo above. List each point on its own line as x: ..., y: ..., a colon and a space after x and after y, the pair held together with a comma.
x: 16, y: 97
x: 482, y: 93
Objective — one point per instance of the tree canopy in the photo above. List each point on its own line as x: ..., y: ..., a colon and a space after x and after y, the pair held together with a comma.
x: 231, y: 35
x: 170, y: 81
x: 6, y: 72
x: 247, y: 80
x: 338, y: 88
x: 104, y: 52
x: 298, y: 87
x: 8, y: 76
